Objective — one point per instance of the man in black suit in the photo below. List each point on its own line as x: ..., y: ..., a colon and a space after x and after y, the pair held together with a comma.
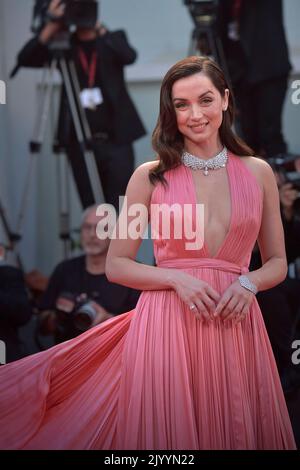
x: 99, y: 56
x: 252, y: 33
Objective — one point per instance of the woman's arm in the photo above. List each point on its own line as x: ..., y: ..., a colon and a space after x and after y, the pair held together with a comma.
x: 271, y: 236
x: 121, y: 266
x: 236, y: 300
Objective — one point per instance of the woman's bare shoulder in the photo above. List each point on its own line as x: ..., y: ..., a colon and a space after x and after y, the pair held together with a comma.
x: 139, y: 183
x: 146, y: 167
x: 141, y: 173
x: 260, y: 169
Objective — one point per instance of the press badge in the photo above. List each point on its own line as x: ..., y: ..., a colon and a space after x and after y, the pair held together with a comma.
x: 91, y: 98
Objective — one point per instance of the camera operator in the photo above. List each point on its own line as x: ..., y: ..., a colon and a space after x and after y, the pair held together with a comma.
x: 79, y: 296
x: 15, y: 309
x: 256, y: 52
x: 99, y: 56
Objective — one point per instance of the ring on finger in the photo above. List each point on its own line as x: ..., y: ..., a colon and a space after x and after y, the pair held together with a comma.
x: 192, y: 306
x: 240, y: 317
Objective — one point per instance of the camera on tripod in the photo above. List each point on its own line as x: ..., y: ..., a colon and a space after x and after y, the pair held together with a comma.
x: 204, y: 13
x: 78, y: 13
x: 78, y: 310
x: 205, y: 38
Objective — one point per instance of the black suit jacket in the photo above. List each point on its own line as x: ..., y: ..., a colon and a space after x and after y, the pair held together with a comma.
x: 113, y: 53
x: 262, y: 53
x: 15, y: 310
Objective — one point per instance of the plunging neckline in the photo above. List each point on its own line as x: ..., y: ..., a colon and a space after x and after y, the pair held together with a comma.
x: 232, y: 206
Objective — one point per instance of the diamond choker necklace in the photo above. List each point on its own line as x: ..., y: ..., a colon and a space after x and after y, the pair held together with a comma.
x: 195, y: 163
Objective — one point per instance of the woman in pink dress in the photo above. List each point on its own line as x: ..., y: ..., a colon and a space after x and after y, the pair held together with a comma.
x: 191, y: 367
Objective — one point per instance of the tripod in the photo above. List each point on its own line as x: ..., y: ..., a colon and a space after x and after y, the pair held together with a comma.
x: 62, y: 60
x: 205, y: 38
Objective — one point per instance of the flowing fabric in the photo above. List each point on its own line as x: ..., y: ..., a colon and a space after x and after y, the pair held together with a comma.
x: 156, y: 377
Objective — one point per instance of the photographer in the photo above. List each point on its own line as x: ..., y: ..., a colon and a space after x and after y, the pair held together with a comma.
x: 79, y: 296
x: 99, y: 56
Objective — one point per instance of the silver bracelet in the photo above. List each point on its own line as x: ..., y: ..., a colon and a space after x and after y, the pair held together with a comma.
x: 247, y: 284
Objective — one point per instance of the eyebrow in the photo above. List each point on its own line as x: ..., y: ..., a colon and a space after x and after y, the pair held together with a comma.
x: 200, y: 96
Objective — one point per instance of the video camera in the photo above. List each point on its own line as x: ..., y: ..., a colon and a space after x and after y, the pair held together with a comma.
x: 293, y: 177
x: 205, y: 35
x: 78, y: 13
x: 78, y: 310
x: 203, y: 13
x: 286, y: 169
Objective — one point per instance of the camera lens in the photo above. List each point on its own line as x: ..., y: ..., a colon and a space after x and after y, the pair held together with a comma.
x: 84, y: 316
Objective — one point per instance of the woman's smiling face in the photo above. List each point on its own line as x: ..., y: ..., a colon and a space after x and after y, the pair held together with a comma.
x: 199, y: 108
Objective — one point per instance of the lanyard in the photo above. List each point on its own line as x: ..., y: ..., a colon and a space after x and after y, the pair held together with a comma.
x: 89, y: 68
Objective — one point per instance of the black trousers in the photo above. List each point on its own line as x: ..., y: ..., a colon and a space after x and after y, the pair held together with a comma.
x: 115, y: 164
x: 260, y: 115
x: 280, y: 307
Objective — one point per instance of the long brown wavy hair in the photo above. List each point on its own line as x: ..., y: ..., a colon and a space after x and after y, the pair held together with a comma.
x: 167, y: 141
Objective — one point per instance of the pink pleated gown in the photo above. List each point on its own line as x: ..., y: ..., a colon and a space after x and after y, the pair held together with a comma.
x: 156, y: 377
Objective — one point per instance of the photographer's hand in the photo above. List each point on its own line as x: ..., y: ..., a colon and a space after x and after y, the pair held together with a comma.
x: 101, y: 29
x: 55, y: 12
x: 47, y: 322
x: 102, y: 314
x: 56, y: 9
x: 287, y: 196
x: 297, y: 164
